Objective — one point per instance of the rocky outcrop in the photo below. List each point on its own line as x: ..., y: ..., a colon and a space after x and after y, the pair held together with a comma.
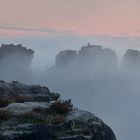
x: 78, y: 125
x: 131, y: 60
x: 15, y: 61
x: 50, y: 120
x: 35, y: 92
x: 65, y: 57
x: 93, y: 57
x: 97, y: 58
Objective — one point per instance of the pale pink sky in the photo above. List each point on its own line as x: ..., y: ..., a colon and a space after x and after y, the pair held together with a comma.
x: 107, y: 17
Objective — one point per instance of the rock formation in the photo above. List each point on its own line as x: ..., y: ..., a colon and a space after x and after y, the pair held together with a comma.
x: 131, y: 60
x: 90, y: 59
x: 35, y: 92
x: 14, y: 60
x: 65, y: 57
x: 98, y: 58
x: 24, y: 119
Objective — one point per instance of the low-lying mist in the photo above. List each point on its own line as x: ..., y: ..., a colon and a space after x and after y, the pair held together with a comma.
x: 91, y: 77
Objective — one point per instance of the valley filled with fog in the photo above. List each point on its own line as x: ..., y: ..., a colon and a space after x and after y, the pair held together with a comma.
x: 93, y: 76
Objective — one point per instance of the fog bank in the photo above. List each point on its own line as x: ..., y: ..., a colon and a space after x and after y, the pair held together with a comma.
x: 94, y: 77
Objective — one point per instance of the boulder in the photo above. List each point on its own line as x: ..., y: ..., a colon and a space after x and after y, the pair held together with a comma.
x: 21, y: 108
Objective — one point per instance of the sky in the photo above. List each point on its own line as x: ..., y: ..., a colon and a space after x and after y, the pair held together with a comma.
x: 47, y: 17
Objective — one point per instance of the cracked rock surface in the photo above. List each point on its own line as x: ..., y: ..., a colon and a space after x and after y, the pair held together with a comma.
x: 24, y: 119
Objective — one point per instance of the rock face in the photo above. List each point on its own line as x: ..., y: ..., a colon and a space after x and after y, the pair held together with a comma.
x: 86, y: 122
x: 96, y: 57
x: 9, y: 54
x: 50, y: 120
x: 21, y: 108
x: 65, y: 57
x: 78, y: 125
x: 93, y: 57
x: 14, y: 60
x: 131, y: 60
x: 35, y: 92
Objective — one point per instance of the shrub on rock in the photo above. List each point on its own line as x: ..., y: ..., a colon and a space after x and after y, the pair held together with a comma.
x: 61, y: 106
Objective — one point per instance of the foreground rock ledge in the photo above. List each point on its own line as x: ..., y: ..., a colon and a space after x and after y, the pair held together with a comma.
x: 74, y: 125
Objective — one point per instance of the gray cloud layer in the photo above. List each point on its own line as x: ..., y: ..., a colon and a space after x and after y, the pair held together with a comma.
x: 43, y: 30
